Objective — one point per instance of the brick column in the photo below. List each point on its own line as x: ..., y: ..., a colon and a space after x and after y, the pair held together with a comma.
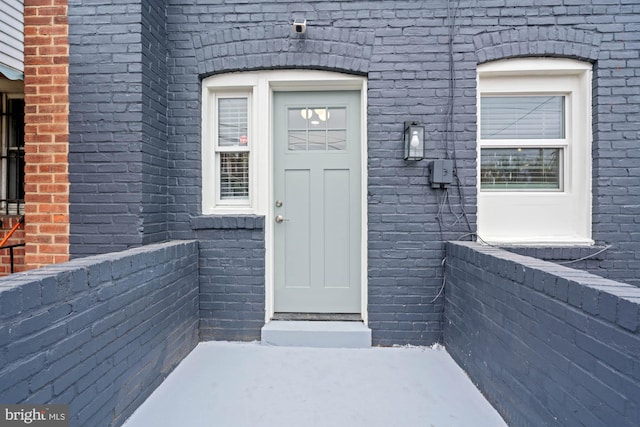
x: 46, y: 71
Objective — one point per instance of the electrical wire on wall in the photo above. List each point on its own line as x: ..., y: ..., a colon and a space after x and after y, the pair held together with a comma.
x: 584, y: 258
x: 444, y: 201
x: 450, y: 135
x: 446, y: 207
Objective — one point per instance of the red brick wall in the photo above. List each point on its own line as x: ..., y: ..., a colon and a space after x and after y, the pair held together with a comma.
x: 46, y: 70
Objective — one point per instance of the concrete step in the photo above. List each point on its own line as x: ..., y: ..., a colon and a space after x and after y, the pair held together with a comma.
x: 334, y: 334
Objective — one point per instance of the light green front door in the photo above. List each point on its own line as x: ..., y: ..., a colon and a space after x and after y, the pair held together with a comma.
x: 317, y: 184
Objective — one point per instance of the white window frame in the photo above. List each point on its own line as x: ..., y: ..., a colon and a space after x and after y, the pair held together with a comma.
x: 211, y: 200
x: 233, y: 149
x: 533, y: 217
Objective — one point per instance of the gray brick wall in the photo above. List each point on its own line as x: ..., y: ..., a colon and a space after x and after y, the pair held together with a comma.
x: 402, y: 48
x: 105, y: 126
x: 117, y: 125
x: 154, y: 124
x: 232, y: 296
x: 546, y: 344
x: 99, y: 333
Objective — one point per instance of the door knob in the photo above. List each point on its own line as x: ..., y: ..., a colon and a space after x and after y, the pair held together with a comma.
x: 280, y: 218
x: 279, y: 203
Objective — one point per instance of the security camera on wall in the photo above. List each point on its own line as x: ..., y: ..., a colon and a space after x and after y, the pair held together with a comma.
x: 299, y: 26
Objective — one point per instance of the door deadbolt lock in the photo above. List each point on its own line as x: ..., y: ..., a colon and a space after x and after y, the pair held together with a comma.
x: 279, y: 203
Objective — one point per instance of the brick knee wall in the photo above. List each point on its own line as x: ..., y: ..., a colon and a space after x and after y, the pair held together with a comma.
x: 547, y: 345
x: 98, y: 333
x: 232, y: 287
x: 46, y: 70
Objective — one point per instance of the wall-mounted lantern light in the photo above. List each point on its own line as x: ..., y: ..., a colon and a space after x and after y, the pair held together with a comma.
x: 413, y: 141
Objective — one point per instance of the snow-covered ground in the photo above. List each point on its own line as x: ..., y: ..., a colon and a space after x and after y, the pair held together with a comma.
x: 251, y: 384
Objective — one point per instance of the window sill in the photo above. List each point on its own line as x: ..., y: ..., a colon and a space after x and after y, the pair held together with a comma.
x: 225, y: 222
x: 559, y: 253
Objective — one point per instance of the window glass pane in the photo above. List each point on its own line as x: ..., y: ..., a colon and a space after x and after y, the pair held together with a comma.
x: 337, y: 118
x: 522, y: 117
x: 520, y: 168
x: 337, y: 140
x: 232, y: 122
x: 298, y: 118
x: 317, y: 140
x: 15, y: 177
x: 234, y: 176
x: 318, y: 118
x: 297, y: 141
x: 16, y: 123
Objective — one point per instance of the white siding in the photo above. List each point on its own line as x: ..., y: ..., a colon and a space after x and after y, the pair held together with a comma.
x: 12, y: 34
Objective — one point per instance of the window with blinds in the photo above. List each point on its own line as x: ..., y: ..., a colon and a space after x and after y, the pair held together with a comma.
x: 534, y: 151
x: 522, y: 117
x: 522, y: 142
x: 232, y: 148
x: 520, y: 168
x: 232, y: 122
x: 234, y: 176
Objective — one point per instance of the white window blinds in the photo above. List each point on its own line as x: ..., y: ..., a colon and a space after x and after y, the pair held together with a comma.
x: 520, y: 168
x: 234, y: 176
x: 522, y: 117
x: 232, y: 149
x: 524, y: 130
x: 232, y: 122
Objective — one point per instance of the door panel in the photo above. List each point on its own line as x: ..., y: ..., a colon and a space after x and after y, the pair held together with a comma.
x: 337, y: 229
x: 297, y: 234
x: 317, y: 195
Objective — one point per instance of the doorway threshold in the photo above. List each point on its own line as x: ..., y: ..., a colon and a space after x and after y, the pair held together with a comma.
x: 327, y: 317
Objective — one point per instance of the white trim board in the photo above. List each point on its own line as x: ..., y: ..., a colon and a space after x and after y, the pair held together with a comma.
x: 541, y: 217
x: 262, y: 85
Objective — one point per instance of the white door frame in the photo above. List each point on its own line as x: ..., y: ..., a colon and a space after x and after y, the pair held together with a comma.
x: 261, y: 85
x: 311, y: 81
x: 326, y: 287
